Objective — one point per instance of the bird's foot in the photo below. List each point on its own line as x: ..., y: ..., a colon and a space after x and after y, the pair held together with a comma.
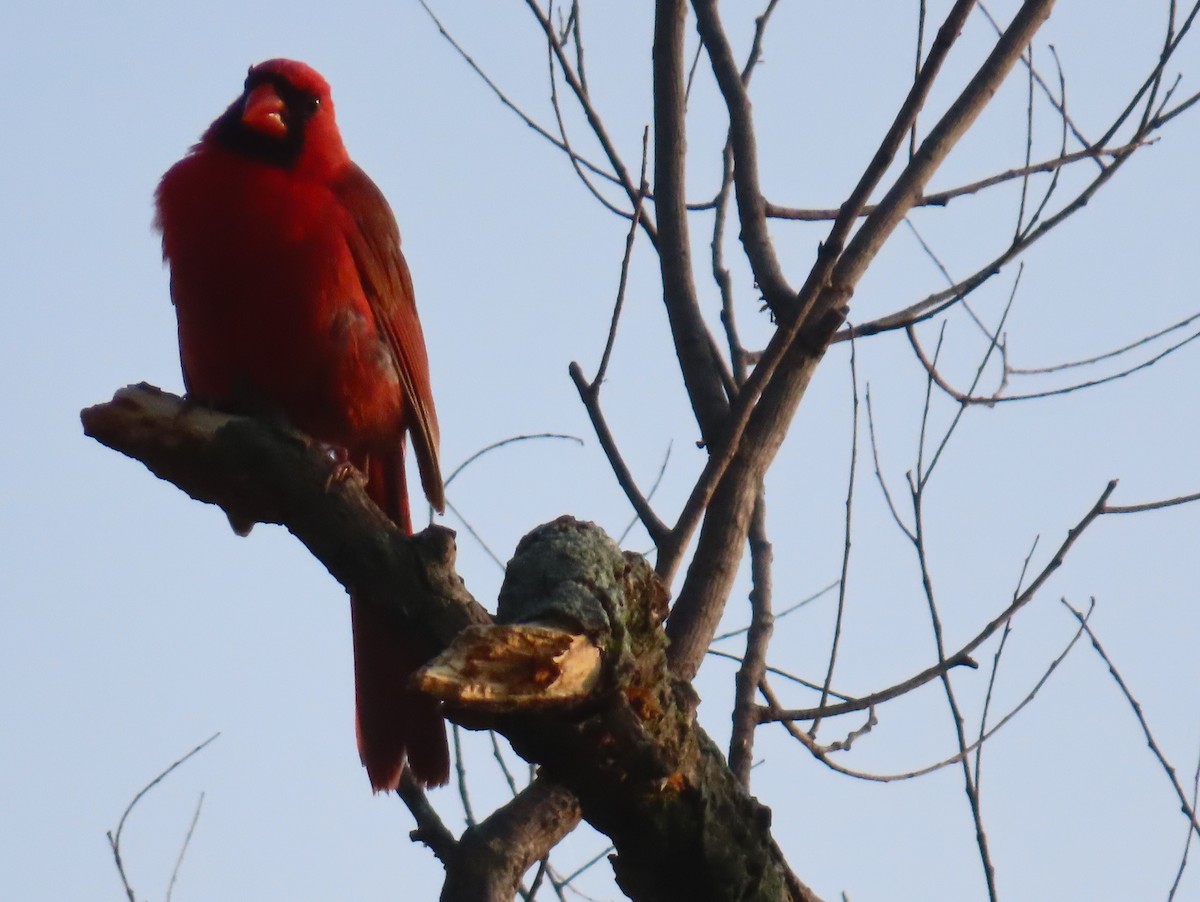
x: 341, y: 469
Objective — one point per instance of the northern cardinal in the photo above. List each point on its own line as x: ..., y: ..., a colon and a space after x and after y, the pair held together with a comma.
x: 293, y: 300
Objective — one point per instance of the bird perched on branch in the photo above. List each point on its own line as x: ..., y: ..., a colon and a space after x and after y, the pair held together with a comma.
x: 293, y: 300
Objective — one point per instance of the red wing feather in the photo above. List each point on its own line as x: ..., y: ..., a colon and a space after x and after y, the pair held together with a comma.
x: 375, y: 245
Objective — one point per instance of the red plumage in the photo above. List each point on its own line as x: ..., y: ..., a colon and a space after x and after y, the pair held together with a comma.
x: 293, y: 299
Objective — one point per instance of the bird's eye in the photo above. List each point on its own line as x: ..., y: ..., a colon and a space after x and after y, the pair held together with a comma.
x: 314, y: 104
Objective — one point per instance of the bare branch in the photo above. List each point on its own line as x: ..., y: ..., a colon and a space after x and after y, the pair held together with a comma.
x: 758, y: 637
x: 962, y: 656
x: 1000, y: 647
x: 623, y: 281
x: 883, y: 486
x: 803, y: 602
x: 1055, y: 176
x: 187, y: 841
x: 1188, y: 843
x: 943, y: 198
x: 760, y: 425
x: 835, y: 642
x: 1153, y: 79
x: 491, y: 857
x: 969, y: 783
x: 589, y: 395
x: 969, y: 398
x: 1027, y: 61
x: 503, y: 98
x: 498, y: 757
x: 654, y: 486
x: 261, y: 473
x: 1028, y: 146
x: 460, y: 777
x: 935, y: 303
x: 114, y: 838
x: 695, y: 347
x: 751, y: 206
x: 822, y: 753
x: 504, y: 442
x: 1188, y: 810
x: 451, y: 508
x: 623, y: 177
x: 429, y: 830
x: 1107, y: 355
x: 937, y: 145
x: 920, y: 51
x: 566, y: 141
x: 1150, y: 505
x: 589, y: 392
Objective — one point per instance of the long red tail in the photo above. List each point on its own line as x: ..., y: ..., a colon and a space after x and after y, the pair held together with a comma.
x: 393, y: 721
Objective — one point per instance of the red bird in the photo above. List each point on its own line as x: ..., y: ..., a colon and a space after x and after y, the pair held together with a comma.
x: 293, y: 300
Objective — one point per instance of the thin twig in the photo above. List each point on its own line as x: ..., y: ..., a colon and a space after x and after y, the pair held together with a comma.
x: 498, y: 754
x: 593, y: 117
x: 776, y: 671
x: 483, y: 452
x: 968, y: 398
x: 918, y: 485
x: 513, y: 439
x: 962, y: 657
x: 843, y: 579
x: 1107, y: 355
x: 803, y: 602
x: 943, y: 198
x: 474, y: 533
x: 654, y: 486
x: 920, y: 50
x: 923, y: 477
x: 187, y: 840
x: 460, y: 776
x: 879, y: 478
x: 929, y: 252
x: 1151, y: 505
x: 587, y: 865
x: 566, y: 141
x: 1152, y: 80
x: 1028, y: 145
x: 589, y: 390
x: 821, y: 753
x: 626, y: 259
x: 114, y: 838
x: 1187, y: 845
x: 1188, y: 809
x: 991, y: 687
x: 503, y: 98
x: 1057, y: 174
x: 1049, y: 95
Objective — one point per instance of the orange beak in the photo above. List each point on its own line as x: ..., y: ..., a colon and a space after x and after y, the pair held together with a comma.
x: 263, y: 112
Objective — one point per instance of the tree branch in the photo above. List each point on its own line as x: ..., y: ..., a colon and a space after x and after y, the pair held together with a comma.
x: 694, y: 344
x: 491, y: 857
x: 751, y: 205
x: 758, y: 637
x: 259, y: 473
x: 642, y: 769
x: 963, y: 655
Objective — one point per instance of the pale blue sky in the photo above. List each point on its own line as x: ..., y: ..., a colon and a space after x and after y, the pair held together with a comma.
x: 135, y: 624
